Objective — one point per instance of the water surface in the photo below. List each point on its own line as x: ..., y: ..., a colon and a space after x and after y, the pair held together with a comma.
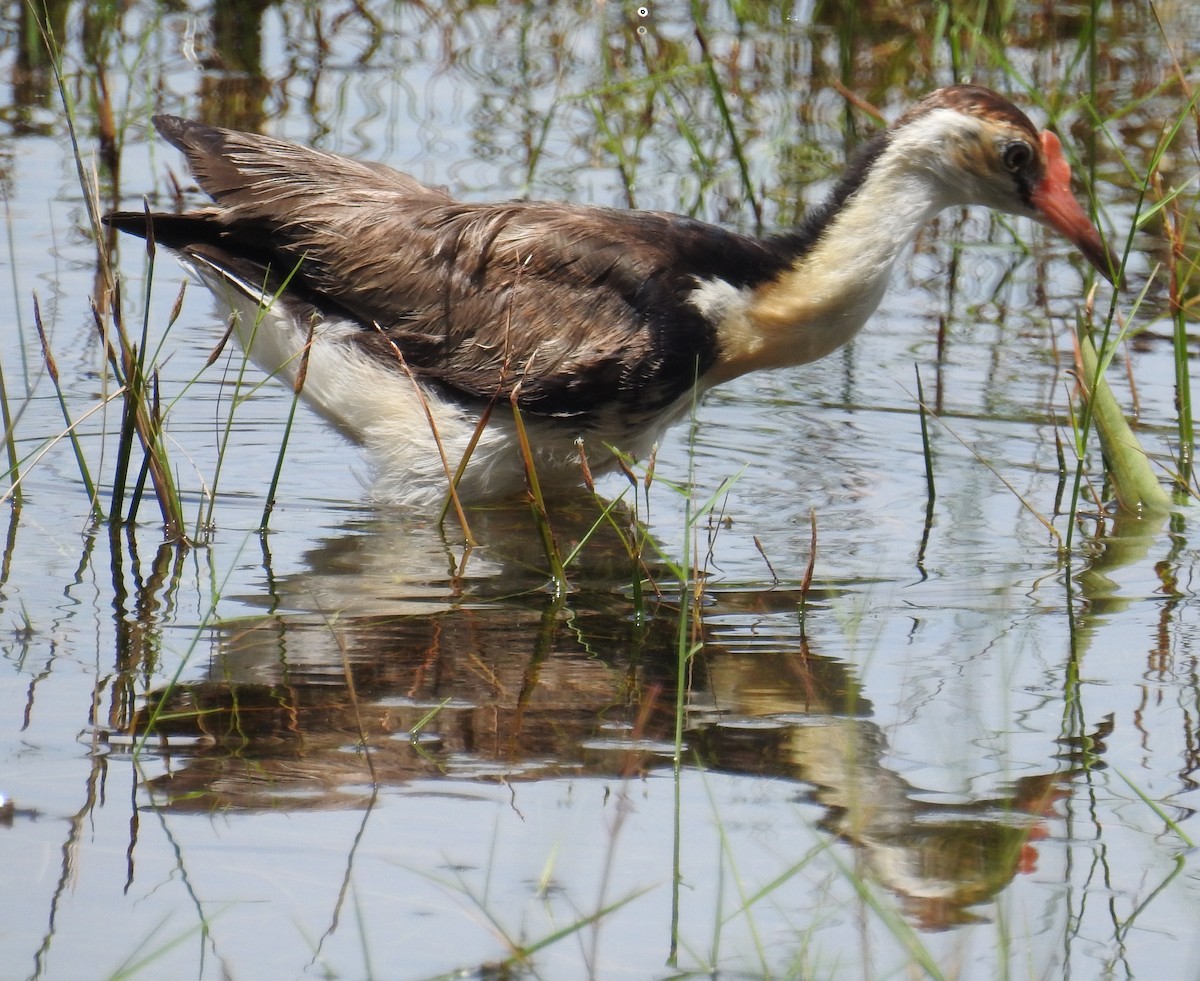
x: 354, y: 747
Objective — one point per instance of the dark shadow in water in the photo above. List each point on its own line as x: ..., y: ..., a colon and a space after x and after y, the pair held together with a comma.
x: 375, y: 668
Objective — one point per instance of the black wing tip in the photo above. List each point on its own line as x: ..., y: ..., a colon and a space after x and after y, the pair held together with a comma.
x: 173, y: 130
x: 173, y: 231
x: 134, y: 222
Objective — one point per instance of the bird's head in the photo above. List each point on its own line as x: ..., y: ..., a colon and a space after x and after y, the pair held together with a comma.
x: 983, y: 150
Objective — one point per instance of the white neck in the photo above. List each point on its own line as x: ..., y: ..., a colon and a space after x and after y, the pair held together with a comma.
x: 823, y: 300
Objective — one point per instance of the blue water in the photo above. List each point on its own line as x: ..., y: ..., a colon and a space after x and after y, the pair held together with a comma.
x: 967, y: 722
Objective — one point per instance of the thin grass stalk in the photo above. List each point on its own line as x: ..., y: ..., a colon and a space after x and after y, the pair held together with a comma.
x: 718, y: 92
x: 140, y: 417
x: 609, y: 137
x: 452, y: 499
x: 451, y: 476
x: 206, y: 515
x: 135, y: 418
x: 8, y: 416
x: 943, y: 33
x: 1159, y: 812
x: 1186, y: 459
x: 639, y: 535
x: 806, y: 582
x: 264, y: 521
x: 208, y: 518
x: 762, y: 551
x: 1042, y: 519
x: 52, y: 369
x: 1179, y: 864
x: 521, y: 952
x: 687, y: 646
x: 1177, y: 276
x: 965, y: 33
x: 900, y: 929
x: 606, y: 515
x: 541, y: 516
x: 682, y: 654
x: 597, y: 101
x: 632, y: 538
x: 297, y: 389
x: 1091, y: 39
x: 148, y: 960
x: 635, y: 536
x: 24, y: 629
x: 90, y: 204
x: 139, y: 487
x: 745, y: 899
x: 139, y: 366
x: 10, y: 444
x: 138, y: 421
x: 416, y: 728
x: 129, y: 382
x: 12, y: 269
x: 32, y: 461
x: 926, y: 451
x: 629, y: 770
x: 207, y: 619
x: 1082, y: 423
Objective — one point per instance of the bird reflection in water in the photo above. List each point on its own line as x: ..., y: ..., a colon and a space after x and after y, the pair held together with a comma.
x: 415, y: 680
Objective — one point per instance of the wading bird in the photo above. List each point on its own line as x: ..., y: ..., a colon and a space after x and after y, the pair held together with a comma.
x: 423, y: 315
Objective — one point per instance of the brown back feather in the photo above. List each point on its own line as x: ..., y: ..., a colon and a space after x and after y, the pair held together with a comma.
x: 580, y: 306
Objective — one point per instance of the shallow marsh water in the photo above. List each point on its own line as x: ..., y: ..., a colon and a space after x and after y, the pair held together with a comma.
x: 352, y: 747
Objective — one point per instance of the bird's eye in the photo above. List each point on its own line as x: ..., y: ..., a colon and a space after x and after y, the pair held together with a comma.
x: 1016, y: 156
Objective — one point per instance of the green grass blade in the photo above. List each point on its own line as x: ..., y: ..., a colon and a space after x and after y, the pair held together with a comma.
x: 1134, y: 481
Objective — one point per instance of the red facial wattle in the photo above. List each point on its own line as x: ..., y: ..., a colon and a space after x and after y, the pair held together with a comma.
x: 1058, y: 208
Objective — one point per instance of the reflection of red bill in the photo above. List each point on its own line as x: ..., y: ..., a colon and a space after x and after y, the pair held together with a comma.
x: 1028, y: 856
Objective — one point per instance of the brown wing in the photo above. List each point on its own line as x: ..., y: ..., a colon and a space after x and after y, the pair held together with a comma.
x: 581, y: 307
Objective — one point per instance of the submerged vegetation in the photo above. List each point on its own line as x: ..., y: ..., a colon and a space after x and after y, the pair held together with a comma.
x: 655, y: 630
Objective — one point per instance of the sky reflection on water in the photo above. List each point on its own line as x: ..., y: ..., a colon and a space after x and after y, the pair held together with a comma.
x: 368, y: 737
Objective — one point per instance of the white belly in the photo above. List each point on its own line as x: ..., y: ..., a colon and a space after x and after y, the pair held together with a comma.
x: 415, y: 439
